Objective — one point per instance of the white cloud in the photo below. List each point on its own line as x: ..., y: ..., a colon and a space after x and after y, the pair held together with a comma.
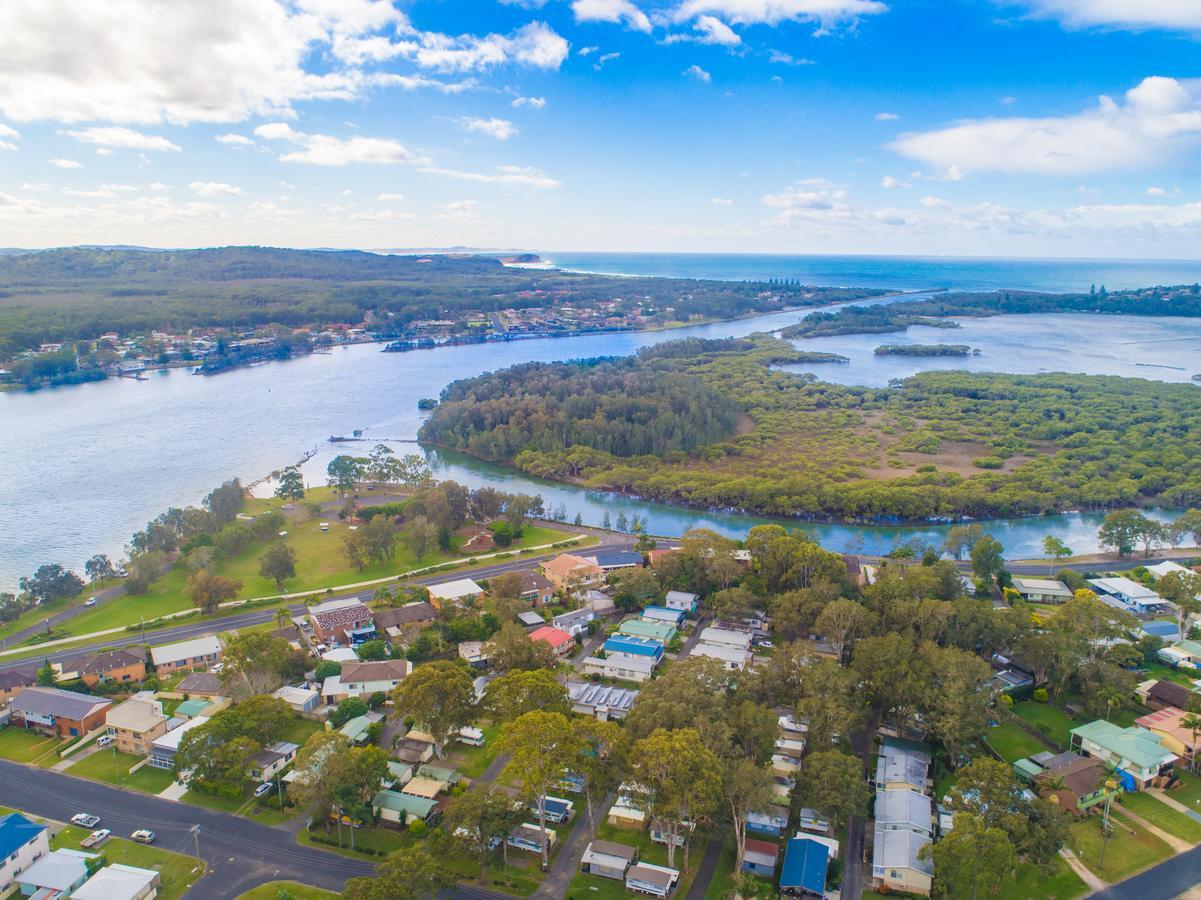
x: 37, y: 187
x: 605, y: 58
x: 534, y: 44
x: 7, y: 145
x: 614, y: 11
x: 416, y: 82
x: 709, y: 30
x: 886, y: 117
x: 827, y: 14
x: 116, y: 136
x: 390, y: 198
x: 1156, y: 192
x: 1176, y: 15
x: 6, y: 132
x: 889, y: 183
x: 586, y: 51
x: 382, y: 215
x: 61, y: 163
x: 530, y: 102
x: 787, y: 59
x: 723, y: 201
x: 104, y: 151
x: 1157, y: 117
x: 214, y: 189
x: 935, y: 203
x: 503, y: 175
x: 234, y: 140
x: 501, y: 129
x: 326, y: 150
x: 809, y: 194
x: 698, y: 73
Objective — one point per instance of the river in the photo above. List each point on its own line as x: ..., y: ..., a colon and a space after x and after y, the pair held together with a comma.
x: 85, y: 466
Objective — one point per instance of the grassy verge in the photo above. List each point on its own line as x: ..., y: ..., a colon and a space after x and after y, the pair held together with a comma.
x: 112, y: 768
x: 1190, y: 794
x: 1163, y: 816
x: 1050, y: 720
x: 24, y: 746
x: 294, y: 890
x: 1032, y: 883
x: 177, y: 871
x: 1130, y: 848
x: 1012, y: 743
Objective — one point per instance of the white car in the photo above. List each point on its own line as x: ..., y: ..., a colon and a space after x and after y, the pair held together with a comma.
x: 91, y: 601
x: 85, y: 820
x: 262, y: 789
x: 143, y: 836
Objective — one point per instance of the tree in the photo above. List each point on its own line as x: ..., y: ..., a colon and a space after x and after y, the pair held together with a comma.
x: 51, y: 582
x: 291, y: 484
x: 1192, y: 721
x: 419, y: 535
x: 636, y: 588
x: 693, y: 693
x: 511, y: 648
x: 440, y: 697
x: 831, y: 782
x: 372, y: 651
x: 602, y: 759
x: 379, y: 540
x: 45, y: 675
x: 278, y: 563
x: 969, y: 858
x: 987, y: 558
x: 682, y: 782
x: 99, y: 567
x: 745, y: 788
x: 350, y: 708
x: 523, y: 691
x: 1123, y: 529
x: 209, y: 591
x: 225, y: 502
x: 961, y: 538
x: 413, y: 873
x: 142, y: 572
x: 1055, y: 549
x: 480, y: 819
x: 1184, y: 590
x: 506, y: 586
x: 343, y: 471
x: 543, y: 746
x: 841, y: 622
x: 257, y: 663
x: 958, y: 692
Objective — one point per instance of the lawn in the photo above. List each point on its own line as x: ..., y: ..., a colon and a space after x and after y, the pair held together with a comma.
x: 1012, y: 743
x: 1190, y: 794
x: 1131, y: 849
x: 23, y: 746
x: 294, y: 891
x: 472, y: 761
x: 1050, y: 720
x: 656, y: 854
x: 113, y: 768
x: 177, y: 871
x: 300, y: 731
x: 1032, y: 883
x: 215, y: 801
x: 1163, y: 816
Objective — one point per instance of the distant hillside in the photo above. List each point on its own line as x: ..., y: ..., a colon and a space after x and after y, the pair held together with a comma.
x: 81, y: 292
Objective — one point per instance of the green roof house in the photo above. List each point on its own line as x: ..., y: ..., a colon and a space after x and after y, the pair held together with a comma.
x: 647, y: 628
x: 1137, y: 755
x: 393, y: 806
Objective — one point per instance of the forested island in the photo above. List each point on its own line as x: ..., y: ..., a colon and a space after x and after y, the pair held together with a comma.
x: 1180, y: 300
x: 924, y: 350
x: 716, y: 424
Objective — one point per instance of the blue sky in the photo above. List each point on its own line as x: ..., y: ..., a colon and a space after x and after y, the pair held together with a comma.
x: 963, y: 127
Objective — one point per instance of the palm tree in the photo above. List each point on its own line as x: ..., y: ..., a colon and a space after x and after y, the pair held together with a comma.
x: 282, y: 616
x: 1192, y: 722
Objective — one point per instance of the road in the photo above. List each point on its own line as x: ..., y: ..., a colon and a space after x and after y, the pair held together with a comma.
x: 197, y: 628
x: 1168, y: 879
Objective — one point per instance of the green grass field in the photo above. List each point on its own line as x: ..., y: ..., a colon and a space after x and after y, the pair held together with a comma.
x: 177, y: 871
x: 1031, y: 883
x: 24, y: 746
x: 1163, y: 816
x: 473, y: 761
x: 294, y: 891
x: 100, y: 766
x: 1012, y: 743
x: 1190, y: 794
x: 1056, y: 723
x: 1130, y: 848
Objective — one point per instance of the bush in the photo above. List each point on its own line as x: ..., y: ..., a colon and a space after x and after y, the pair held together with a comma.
x: 988, y: 462
x: 417, y: 827
x: 1040, y: 695
x: 1007, y: 701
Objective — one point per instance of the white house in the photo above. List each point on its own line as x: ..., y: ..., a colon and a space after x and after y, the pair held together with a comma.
x: 623, y: 668
x: 576, y: 621
x: 301, y: 699
x: 22, y: 843
x: 120, y: 882
x: 1125, y: 594
x: 1042, y: 590
x: 681, y: 600
x: 732, y: 658
x: 454, y: 592
x: 725, y: 637
x: 362, y: 679
x: 197, y: 653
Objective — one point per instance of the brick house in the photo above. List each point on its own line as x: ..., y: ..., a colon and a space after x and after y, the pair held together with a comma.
x: 342, y: 622
x: 198, y: 654
x: 58, y: 712
x: 13, y: 681
x: 121, y: 666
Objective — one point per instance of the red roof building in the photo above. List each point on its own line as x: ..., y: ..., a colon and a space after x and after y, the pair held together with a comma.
x: 560, y: 641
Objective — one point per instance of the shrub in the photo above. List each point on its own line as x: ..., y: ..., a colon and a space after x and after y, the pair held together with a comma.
x: 1040, y: 695
x: 417, y: 827
x: 988, y: 462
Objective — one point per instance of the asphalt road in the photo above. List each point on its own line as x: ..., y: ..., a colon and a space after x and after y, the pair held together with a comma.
x: 240, y: 853
x: 1168, y: 879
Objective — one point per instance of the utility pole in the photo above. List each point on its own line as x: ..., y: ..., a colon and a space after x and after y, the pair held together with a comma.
x: 196, y: 838
x: 116, y: 764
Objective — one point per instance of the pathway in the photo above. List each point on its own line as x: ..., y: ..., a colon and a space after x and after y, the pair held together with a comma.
x: 1174, y: 803
x: 707, y: 867
x: 1171, y: 840
x: 1090, y: 880
x: 564, y: 866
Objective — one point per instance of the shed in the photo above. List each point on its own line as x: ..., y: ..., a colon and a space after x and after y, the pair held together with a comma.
x: 608, y: 859
x: 658, y: 881
x: 804, y: 871
x: 760, y: 857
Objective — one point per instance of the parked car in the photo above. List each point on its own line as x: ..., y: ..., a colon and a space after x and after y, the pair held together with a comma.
x: 104, y: 740
x: 85, y: 820
x: 91, y: 601
x: 262, y: 788
x: 143, y: 836
x: 95, y: 839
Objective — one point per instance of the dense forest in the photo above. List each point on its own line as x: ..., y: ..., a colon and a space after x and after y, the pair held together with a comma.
x: 81, y: 293
x: 1181, y: 300
x: 938, y: 444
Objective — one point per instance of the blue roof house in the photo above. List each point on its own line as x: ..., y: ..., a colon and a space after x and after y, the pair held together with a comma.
x: 21, y: 843
x: 626, y: 645
x: 804, y: 871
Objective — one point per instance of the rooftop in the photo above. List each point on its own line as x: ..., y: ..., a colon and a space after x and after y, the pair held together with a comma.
x: 805, y: 864
x: 894, y: 849
x: 342, y: 616
x: 1142, y: 748
x: 58, y: 870
x: 635, y: 646
x: 200, y: 683
x: 553, y: 636
x: 170, y: 740
x: 383, y: 670
x: 136, y: 715
x: 116, y: 882
x: 455, y: 590
x: 902, y: 761
x: 1125, y: 587
x: 107, y: 661
x: 592, y: 694
x: 15, y: 832
x: 51, y: 701
x: 201, y: 646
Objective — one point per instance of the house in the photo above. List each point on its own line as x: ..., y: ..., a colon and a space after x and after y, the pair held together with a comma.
x: 612, y: 560
x: 1042, y: 590
x: 624, y: 814
x: 902, y: 765
x: 355, y: 730
x: 904, y: 810
x: 201, y: 684
x: 413, y: 751
x: 683, y: 601
x: 570, y: 572
x: 536, y: 589
x: 163, y: 749
x: 401, y: 809
x: 665, y: 614
x: 1166, y: 631
x: 200, y: 653
x: 475, y: 652
x: 633, y: 647
x: 599, y: 700
x: 576, y: 621
x: 1167, y: 567
x: 191, y: 709
x: 270, y: 761
x: 134, y: 724
x: 120, y: 882
x: 560, y: 642
x: 897, y: 863
x: 725, y: 637
x: 1188, y: 650
x: 22, y: 843
x: 13, y: 681
x: 1158, y: 694
x: 760, y: 857
x: 529, y: 837
x: 425, y: 788
x: 301, y: 699
x: 58, y: 712
x: 653, y: 556
x: 455, y: 593
x: 772, y: 820
x: 1167, y: 725
x: 608, y: 859
x: 1077, y: 782
x: 120, y: 666
x: 394, y: 622
x: 1138, y: 757
x: 362, y: 679
x: 620, y: 668
x: 658, y: 881
x: 449, y: 777
x: 57, y: 873
x: 558, y: 809
x: 648, y: 628
x: 530, y: 620
x: 730, y: 657
x: 342, y: 622
x: 1126, y: 594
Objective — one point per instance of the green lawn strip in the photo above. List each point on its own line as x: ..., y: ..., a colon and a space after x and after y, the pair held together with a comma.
x: 1163, y: 816
x: 1157, y: 670
x: 371, y: 843
x: 300, y: 730
x: 1055, y: 723
x: 1190, y: 793
x: 1012, y: 743
x: 471, y: 762
x: 215, y: 801
x: 24, y: 746
x: 177, y: 871
x: 1032, y: 883
x: 102, y: 766
x: 294, y: 890
x: 1130, y: 848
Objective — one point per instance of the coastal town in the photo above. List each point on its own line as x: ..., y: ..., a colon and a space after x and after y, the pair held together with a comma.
x: 504, y: 722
